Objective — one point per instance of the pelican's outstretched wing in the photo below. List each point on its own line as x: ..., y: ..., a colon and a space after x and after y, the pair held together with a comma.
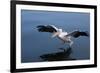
x: 47, y: 28
x: 77, y: 33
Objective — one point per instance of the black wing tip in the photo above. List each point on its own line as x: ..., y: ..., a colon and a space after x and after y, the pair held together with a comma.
x: 87, y: 33
x: 45, y: 28
x: 40, y: 28
x: 81, y: 33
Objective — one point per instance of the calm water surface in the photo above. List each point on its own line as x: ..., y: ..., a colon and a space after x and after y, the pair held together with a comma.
x: 34, y: 43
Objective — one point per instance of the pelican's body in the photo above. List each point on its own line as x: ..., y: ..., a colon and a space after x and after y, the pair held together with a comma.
x: 62, y: 35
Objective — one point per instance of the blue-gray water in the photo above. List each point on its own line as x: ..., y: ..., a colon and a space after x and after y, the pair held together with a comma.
x: 34, y: 43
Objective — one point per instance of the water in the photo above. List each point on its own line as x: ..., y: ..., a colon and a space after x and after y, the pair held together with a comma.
x: 34, y: 43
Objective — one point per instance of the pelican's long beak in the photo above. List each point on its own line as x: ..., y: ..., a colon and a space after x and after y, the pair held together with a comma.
x: 55, y: 34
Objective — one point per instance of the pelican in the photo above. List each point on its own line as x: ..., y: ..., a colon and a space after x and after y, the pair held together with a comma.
x: 62, y: 35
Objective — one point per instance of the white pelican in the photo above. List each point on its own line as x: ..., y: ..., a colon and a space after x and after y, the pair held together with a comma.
x: 62, y: 35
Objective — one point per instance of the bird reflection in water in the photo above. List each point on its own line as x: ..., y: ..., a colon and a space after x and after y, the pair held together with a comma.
x: 58, y: 56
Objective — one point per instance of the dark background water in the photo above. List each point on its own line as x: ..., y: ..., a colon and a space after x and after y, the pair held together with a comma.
x: 34, y: 43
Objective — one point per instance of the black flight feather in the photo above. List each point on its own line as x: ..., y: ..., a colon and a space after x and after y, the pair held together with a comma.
x: 46, y: 28
x: 76, y: 34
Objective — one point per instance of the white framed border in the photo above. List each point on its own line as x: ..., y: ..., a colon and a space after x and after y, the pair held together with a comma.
x: 20, y: 65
